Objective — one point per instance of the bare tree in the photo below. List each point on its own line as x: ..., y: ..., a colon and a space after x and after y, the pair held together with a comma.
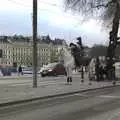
x: 106, y: 10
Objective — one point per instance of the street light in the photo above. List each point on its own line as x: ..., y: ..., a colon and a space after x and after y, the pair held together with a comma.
x: 35, y: 43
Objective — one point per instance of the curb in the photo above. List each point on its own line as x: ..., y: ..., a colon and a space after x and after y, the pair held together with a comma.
x: 52, y: 96
x: 12, y: 78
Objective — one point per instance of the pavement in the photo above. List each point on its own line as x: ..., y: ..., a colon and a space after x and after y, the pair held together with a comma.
x: 100, y: 104
x: 15, y: 91
x: 15, y: 76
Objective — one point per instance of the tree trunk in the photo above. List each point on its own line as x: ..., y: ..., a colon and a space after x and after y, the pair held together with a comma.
x: 113, y: 40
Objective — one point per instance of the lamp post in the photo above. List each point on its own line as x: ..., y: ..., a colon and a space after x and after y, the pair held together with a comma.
x: 35, y: 43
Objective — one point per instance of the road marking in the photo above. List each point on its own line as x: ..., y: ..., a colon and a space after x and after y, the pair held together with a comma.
x: 109, y: 96
x: 78, y: 94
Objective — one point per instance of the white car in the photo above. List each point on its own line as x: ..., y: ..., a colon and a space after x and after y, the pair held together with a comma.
x: 41, y: 70
x: 27, y: 71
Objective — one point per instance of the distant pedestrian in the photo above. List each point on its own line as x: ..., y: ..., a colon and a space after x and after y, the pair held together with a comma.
x: 97, y: 69
x: 68, y: 63
x: 91, y: 70
x: 101, y: 72
x: 82, y: 73
x: 69, y: 73
x: 20, y: 70
x: 113, y: 74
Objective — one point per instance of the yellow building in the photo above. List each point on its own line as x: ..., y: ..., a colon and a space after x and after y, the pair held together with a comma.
x: 18, y: 52
x: 21, y: 53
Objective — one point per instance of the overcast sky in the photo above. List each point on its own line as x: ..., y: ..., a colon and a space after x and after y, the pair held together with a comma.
x: 16, y: 18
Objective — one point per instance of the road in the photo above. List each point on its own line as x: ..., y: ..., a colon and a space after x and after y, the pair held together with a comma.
x: 41, y: 81
x: 94, y: 105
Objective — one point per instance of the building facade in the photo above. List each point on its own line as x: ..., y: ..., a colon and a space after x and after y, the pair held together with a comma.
x: 21, y: 53
x: 16, y: 53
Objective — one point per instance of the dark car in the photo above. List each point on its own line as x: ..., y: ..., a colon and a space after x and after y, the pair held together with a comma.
x: 53, y: 69
x: 6, y: 71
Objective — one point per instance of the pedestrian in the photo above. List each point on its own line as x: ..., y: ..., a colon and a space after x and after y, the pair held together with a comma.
x: 113, y: 74
x: 20, y: 70
x: 101, y: 72
x: 91, y: 70
x: 82, y: 73
x: 97, y: 69
x: 68, y: 63
x: 69, y: 73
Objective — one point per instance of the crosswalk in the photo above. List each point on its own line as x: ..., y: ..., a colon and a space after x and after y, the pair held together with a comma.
x: 109, y: 96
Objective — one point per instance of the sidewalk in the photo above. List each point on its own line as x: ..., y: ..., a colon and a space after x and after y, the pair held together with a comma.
x: 15, y: 76
x: 16, y: 94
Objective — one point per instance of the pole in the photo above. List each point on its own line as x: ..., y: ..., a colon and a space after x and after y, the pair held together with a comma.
x: 34, y: 43
x: 113, y: 41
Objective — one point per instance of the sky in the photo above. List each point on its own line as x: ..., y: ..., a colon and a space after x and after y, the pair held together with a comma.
x: 16, y: 18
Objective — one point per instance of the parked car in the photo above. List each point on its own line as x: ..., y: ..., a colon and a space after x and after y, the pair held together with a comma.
x: 27, y: 70
x: 6, y: 71
x: 53, y: 69
x: 41, y: 69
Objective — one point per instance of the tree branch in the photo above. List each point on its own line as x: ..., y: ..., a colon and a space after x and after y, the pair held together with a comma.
x: 74, y: 3
x: 104, y: 5
x: 99, y: 6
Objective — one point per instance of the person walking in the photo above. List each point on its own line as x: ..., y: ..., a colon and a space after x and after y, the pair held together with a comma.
x: 91, y: 70
x: 69, y: 63
x: 20, y: 70
x: 97, y: 69
x: 69, y: 73
x: 113, y: 75
x: 82, y: 73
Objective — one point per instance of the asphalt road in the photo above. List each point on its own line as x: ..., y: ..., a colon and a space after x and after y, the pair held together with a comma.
x: 95, y: 105
x: 41, y: 81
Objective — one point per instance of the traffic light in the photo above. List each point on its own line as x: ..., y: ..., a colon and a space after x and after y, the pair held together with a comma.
x: 80, y: 42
